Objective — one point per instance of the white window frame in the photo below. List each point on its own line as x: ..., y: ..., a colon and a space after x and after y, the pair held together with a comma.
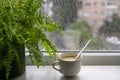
x: 89, y: 57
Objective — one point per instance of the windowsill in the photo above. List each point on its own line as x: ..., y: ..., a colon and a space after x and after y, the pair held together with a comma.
x: 95, y: 66
x: 89, y: 58
x: 87, y: 73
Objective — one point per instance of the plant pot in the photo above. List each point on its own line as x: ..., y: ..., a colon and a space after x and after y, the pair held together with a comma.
x: 17, y: 68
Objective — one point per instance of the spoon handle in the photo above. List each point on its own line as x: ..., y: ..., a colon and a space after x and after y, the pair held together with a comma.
x: 83, y: 49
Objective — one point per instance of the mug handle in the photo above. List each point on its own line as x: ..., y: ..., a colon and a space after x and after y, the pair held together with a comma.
x: 53, y: 65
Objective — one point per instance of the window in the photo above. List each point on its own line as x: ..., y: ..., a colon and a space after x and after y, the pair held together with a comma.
x: 95, y: 3
x: 112, y: 2
x: 78, y: 29
x: 87, y: 4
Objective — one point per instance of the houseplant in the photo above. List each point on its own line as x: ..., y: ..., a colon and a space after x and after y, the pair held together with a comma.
x: 22, y: 24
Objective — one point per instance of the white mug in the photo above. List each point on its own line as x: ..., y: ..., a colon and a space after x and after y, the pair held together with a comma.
x: 68, y: 65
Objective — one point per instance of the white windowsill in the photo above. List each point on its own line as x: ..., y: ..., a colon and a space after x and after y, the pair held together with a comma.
x: 86, y: 73
x: 90, y: 58
x: 95, y: 66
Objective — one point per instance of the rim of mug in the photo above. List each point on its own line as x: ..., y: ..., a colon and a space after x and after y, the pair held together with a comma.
x: 59, y: 56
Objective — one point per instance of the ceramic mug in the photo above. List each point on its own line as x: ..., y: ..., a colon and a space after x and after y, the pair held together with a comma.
x: 68, y: 65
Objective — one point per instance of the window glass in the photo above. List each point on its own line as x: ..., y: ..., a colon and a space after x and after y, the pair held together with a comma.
x: 87, y: 4
x: 95, y: 3
x: 81, y: 23
x: 112, y: 2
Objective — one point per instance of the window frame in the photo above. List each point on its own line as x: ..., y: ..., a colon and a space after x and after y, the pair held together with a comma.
x: 91, y: 57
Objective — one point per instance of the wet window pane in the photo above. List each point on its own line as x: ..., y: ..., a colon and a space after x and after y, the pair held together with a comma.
x: 81, y: 20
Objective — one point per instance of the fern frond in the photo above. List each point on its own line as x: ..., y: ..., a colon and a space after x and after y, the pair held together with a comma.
x: 8, y: 60
x: 48, y: 45
x: 49, y: 25
x: 19, y: 51
x: 22, y: 21
x: 35, y: 54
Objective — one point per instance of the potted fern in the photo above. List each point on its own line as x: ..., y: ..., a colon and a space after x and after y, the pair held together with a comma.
x: 22, y: 24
